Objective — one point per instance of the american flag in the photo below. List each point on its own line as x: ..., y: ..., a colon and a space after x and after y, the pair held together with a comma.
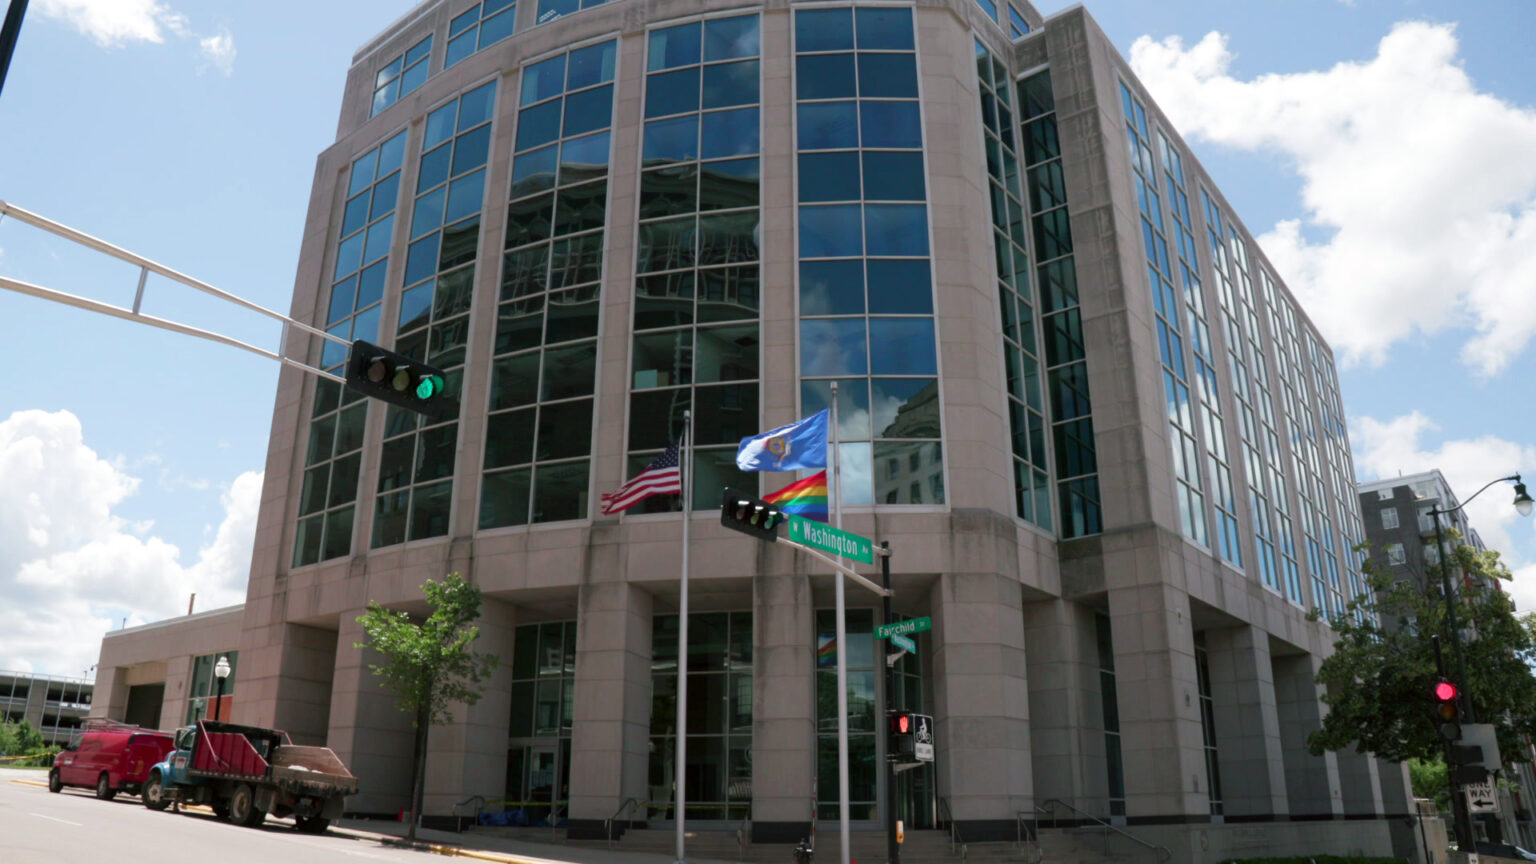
x: 661, y: 477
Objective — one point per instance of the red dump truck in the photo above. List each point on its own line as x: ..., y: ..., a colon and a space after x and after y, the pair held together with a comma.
x: 247, y: 772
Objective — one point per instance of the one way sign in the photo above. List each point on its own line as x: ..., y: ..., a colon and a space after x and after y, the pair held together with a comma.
x: 1481, y: 797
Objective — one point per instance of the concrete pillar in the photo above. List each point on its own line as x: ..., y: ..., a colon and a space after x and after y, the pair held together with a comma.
x: 1066, y: 713
x: 109, y: 696
x: 1248, y: 746
x: 981, y: 702
x: 1359, y: 783
x: 610, y: 729
x: 1159, y: 703
x: 178, y: 682
x: 302, y: 704
x: 1311, y: 782
x: 367, y: 729
x: 783, y: 708
x: 469, y: 755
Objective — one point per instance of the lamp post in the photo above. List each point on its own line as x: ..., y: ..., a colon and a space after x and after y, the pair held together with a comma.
x: 1523, y: 506
x: 220, y: 672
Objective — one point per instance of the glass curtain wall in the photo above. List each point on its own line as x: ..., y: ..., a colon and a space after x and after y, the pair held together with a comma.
x: 538, y: 441
x: 864, y: 711
x: 333, y: 456
x: 543, y: 699
x: 1026, y: 406
x: 719, y: 770
x: 483, y: 24
x: 866, y: 283
x: 402, y: 75
x: 1208, y: 726
x: 696, y: 339
x: 1114, y: 763
x: 416, y: 462
x: 204, y: 687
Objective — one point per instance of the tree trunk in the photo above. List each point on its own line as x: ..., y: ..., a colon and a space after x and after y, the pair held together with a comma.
x: 418, y: 771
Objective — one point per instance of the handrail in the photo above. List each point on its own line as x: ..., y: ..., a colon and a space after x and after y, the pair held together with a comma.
x: 954, y: 829
x: 608, y: 825
x: 742, y: 834
x: 1049, y: 806
x: 480, y: 808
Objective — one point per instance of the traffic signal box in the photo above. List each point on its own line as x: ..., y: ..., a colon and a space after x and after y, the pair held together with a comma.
x: 750, y: 515
x: 397, y: 379
x: 1446, y: 716
x: 901, y: 742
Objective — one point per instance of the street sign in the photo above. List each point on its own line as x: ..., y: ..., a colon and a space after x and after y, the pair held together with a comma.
x: 811, y: 533
x: 904, y: 628
x: 1481, y: 797
x: 903, y: 642
x: 922, y: 738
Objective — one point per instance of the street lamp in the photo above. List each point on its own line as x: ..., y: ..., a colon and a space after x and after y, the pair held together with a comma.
x: 220, y: 672
x: 1523, y: 506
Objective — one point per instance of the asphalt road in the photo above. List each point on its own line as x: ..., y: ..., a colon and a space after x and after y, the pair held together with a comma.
x: 38, y: 827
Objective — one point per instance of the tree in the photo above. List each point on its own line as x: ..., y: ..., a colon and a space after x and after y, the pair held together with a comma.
x: 1429, y: 781
x: 1381, y: 675
x: 17, y: 739
x: 428, y: 663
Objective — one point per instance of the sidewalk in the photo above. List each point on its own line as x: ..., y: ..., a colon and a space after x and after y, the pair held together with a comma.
x: 507, y: 851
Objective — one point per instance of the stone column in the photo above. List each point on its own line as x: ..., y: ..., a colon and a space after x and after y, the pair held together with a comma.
x: 109, y: 695
x: 783, y: 707
x: 1066, y: 716
x: 178, y: 681
x: 302, y: 702
x: 1159, y: 703
x: 981, y: 703
x: 469, y: 755
x: 367, y: 729
x: 610, y: 731
x: 1248, y: 746
x: 1359, y: 783
x: 1311, y: 782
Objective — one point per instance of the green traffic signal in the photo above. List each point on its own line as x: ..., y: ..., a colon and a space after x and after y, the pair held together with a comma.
x: 428, y: 386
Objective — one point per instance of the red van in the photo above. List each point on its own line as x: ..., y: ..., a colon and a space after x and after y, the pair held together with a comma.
x: 109, y: 757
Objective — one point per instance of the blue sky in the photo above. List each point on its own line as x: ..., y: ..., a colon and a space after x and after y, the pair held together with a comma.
x: 187, y: 132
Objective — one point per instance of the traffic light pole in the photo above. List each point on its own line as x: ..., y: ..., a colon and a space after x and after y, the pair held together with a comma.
x: 893, y: 848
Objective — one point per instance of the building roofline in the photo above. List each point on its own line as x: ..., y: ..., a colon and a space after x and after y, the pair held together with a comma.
x: 180, y: 619
x: 389, y: 32
x: 1403, y: 480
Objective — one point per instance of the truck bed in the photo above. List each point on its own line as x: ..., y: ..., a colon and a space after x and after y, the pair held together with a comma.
x: 312, y: 769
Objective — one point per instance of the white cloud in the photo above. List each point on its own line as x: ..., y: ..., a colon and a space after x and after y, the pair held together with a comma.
x: 1422, y: 185
x: 111, y: 23
x: 70, y: 569
x: 1385, y: 449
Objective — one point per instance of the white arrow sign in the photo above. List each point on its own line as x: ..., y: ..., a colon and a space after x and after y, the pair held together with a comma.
x: 1481, y: 797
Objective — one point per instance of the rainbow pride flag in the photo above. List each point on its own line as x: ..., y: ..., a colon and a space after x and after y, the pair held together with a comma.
x: 806, y: 498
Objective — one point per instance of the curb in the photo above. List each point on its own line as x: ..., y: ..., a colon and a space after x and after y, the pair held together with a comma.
x: 442, y: 849
x: 37, y: 783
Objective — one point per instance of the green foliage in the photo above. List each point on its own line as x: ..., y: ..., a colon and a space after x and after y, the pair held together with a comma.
x: 1381, y: 675
x: 1429, y: 781
x: 19, y: 738
x: 428, y: 663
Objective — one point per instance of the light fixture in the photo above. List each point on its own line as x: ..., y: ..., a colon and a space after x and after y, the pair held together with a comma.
x: 221, y: 668
x: 1522, y: 500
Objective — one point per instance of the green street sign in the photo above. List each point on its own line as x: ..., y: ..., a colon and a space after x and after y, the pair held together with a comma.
x: 902, y: 628
x: 901, y: 641
x: 809, y: 532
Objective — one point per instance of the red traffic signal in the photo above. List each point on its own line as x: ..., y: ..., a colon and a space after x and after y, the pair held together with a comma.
x: 903, y: 724
x: 1445, y: 691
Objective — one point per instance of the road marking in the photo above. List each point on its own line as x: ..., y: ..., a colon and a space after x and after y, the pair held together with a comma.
x: 38, y: 783
x: 56, y: 819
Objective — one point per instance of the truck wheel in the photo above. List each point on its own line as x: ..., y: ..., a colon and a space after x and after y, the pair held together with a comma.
x: 312, y: 824
x: 55, y: 782
x: 104, y: 789
x: 154, y: 793
x: 242, y: 807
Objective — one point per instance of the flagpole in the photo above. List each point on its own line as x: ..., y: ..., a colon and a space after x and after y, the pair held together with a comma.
x: 679, y: 799
x: 842, y: 652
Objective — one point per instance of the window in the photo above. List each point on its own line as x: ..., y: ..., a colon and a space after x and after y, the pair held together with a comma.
x: 863, y: 712
x: 1208, y: 725
x: 719, y: 669
x: 481, y: 25
x: 205, y: 688
x: 1017, y: 26
x: 401, y: 75
x: 1395, y: 553
x: 1426, y: 522
x: 1424, y: 489
x: 1389, y: 518
x: 1385, y: 494
x: 1114, y: 764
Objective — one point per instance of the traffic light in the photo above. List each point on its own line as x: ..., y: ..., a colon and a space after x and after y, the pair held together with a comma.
x: 397, y: 379
x: 750, y: 515
x: 1446, y: 716
x: 901, y: 743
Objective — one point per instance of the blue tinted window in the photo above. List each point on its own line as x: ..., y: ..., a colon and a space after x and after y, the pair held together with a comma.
x: 534, y: 170
x: 440, y: 125
x: 362, y: 172
x: 591, y: 65
x: 583, y: 158
x: 897, y: 229
x: 891, y: 124
x: 725, y: 38
x: 497, y: 27
x: 419, y: 51
x: 672, y: 140
x: 332, y: 353
x: 414, y: 77
x: 888, y: 75
x: 342, y: 295
x: 538, y: 125
x: 900, y: 287
x: 421, y: 261
x: 902, y: 346
x: 588, y: 110
x: 831, y: 231
x: 384, y: 195
x: 355, y: 215
x: 415, y: 305
x: 390, y: 154
x: 829, y: 125
x: 428, y: 215
x: 469, y: 150
x: 673, y: 47
x: 348, y: 255
x: 833, y: 346
x: 730, y: 133
x: 893, y: 176
x: 1020, y: 26
x: 829, y: 176
x: 459, y: 48
x: 672, y: 93
x: 370, y: 285
x: 831, y: 288
x: 366, y: 324
x: 728, y: 84
x: 823, y: 30
x: 988, y: 7
x: 476, y: 105
x: 434, y: 167
x: 543, y: 80
x: 378, y: 239
x: 884, y: 29
x: 549, y: 10
x: 824, y: 76
x: 463, y: 22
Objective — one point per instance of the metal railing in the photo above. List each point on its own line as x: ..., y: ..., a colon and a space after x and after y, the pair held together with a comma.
x: 629, y: 804
x: 1049, y: 807
x: 742, y: 831
x: 479, y: 808
x: 954, y: 830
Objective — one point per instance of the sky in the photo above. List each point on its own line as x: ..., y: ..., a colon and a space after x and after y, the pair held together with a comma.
x: 1379, y: 149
